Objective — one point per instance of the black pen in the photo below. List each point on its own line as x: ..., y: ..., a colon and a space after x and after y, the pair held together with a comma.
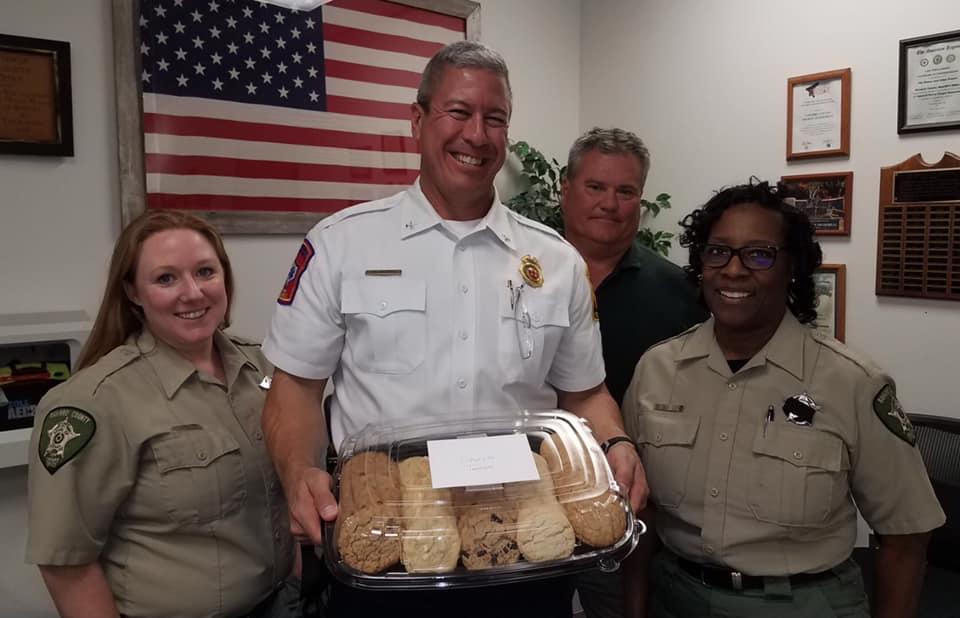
x: 767, y: 419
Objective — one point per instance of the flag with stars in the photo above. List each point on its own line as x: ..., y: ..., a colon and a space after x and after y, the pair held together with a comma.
x: 249, y: 106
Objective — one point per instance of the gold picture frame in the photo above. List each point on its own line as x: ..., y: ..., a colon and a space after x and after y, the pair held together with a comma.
x: 830, y: 281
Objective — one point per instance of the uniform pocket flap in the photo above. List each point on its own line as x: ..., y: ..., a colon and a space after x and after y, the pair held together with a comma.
x: 382, y: 296
x: 802, y: 447
x: 542, y: 310
x: 190, y: 448
x: 664, y: 431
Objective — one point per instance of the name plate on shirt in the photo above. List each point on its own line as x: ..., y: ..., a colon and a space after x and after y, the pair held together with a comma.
x: 465, y: 462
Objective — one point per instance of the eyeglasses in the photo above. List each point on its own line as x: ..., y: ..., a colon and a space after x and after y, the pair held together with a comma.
x: 752, y: 257
x: 522, y: 318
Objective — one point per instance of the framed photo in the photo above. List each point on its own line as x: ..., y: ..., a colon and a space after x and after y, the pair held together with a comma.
x: 830, y: 281
x: 264, y: 119
x: 818, y: 115
x: 929, y: 94
x: 826, y: 198
x: 36, y: 116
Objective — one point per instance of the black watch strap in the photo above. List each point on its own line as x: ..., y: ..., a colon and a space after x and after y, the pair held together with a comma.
x: 606, y: 444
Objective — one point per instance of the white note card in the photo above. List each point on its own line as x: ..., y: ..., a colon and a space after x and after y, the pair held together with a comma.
x: 465, y: 462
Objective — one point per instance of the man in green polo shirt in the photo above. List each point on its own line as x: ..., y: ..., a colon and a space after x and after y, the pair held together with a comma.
x: 642, y: 298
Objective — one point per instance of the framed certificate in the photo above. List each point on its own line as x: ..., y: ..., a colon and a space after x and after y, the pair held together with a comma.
x: 830, y: 281
x: 929, y: 94
x: 818, y: 115
x: 35, y: 108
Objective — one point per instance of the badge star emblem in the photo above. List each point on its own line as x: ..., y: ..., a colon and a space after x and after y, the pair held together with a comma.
x: 65, y: 432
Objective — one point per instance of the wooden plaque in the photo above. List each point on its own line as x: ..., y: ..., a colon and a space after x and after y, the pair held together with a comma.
x: 918, y: 241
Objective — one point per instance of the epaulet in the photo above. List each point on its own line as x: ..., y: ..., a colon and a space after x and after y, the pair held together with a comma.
x: 359, y: 210
x: 242, y: 341
x: 677, y: 336
x: 536, y: 225
x: 842, y: 350
x: 87, y: 380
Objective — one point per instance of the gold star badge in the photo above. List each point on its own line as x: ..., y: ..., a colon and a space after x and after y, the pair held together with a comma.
x: 530, y: 271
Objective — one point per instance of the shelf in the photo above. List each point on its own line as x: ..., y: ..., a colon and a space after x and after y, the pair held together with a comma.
x: 33, y: 329
x: 13, y: 447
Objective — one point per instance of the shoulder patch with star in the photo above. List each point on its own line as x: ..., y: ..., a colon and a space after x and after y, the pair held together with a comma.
x: 65, y: 432
x: 300, y: 263
x: 889, y: 411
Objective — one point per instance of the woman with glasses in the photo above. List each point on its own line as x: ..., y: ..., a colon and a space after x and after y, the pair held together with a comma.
x: 758, y: 433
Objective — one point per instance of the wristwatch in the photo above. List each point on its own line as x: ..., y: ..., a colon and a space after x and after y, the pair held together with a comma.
x: 606, y: 444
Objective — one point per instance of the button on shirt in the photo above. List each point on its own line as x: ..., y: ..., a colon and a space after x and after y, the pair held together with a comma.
x: 175, y: 493
x: 771, y: 497
x: 439, y: 334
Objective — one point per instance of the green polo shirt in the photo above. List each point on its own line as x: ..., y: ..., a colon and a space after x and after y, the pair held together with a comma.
x: 645, y: 300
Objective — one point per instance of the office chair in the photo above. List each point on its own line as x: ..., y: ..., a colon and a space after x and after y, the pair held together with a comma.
x: 938, y: 439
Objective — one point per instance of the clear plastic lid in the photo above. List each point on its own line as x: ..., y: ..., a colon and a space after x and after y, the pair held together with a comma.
x: 400, y: 527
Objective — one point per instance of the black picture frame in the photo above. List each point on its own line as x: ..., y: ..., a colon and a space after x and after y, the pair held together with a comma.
x: 951, y: 55
x: 15, y: 54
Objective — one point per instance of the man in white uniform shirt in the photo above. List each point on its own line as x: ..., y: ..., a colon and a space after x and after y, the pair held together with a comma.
x: 432, y: 303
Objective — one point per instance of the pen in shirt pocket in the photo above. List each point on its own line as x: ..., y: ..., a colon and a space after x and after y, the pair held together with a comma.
x: 769, y: 416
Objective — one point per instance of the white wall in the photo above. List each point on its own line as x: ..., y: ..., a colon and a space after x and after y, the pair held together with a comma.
x: 59, y: 217
x: 704, y: 84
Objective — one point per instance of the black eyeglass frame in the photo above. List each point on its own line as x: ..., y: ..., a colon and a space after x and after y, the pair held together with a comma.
x: 738, y: 252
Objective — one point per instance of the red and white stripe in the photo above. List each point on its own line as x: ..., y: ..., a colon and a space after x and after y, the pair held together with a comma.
x: 211, y: 155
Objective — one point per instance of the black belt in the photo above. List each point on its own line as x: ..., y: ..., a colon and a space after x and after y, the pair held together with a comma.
x: 719, y: 577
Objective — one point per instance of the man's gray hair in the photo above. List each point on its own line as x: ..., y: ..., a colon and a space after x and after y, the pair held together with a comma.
x: 607, y: 141
x: 460, y: 55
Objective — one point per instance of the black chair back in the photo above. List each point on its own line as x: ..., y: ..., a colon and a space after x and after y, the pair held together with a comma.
x: 938, y: 439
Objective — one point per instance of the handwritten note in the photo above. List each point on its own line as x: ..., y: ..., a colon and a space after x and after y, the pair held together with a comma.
x: 466, y: 462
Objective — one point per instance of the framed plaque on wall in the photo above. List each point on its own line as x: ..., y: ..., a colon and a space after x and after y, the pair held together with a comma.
x: 36, y: 116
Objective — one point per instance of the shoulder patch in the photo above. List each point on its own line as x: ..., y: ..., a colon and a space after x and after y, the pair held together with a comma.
x: 593, y: 294
x: 300, y: 263
x: 889, y: 411
x: 65, y: 432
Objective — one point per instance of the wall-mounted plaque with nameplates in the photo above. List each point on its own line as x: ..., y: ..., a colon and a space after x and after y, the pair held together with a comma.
x: 918, y: 243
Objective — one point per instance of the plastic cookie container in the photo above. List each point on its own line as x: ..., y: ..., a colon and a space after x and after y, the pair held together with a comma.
x: 475, y: 502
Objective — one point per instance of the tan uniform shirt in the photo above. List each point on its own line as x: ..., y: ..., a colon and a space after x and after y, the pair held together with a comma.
x: 164, y: 478
x: 771, y: 497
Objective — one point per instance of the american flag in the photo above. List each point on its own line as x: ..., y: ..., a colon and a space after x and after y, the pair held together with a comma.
x: 250, y: 106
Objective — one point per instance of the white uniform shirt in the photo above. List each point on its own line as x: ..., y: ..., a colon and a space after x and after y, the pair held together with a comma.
x: 414, y: 323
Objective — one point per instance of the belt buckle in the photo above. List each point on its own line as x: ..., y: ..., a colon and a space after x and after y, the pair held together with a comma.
x: 736, y: 580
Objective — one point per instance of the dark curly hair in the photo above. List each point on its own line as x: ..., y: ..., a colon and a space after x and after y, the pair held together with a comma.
x: 797, y: 230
